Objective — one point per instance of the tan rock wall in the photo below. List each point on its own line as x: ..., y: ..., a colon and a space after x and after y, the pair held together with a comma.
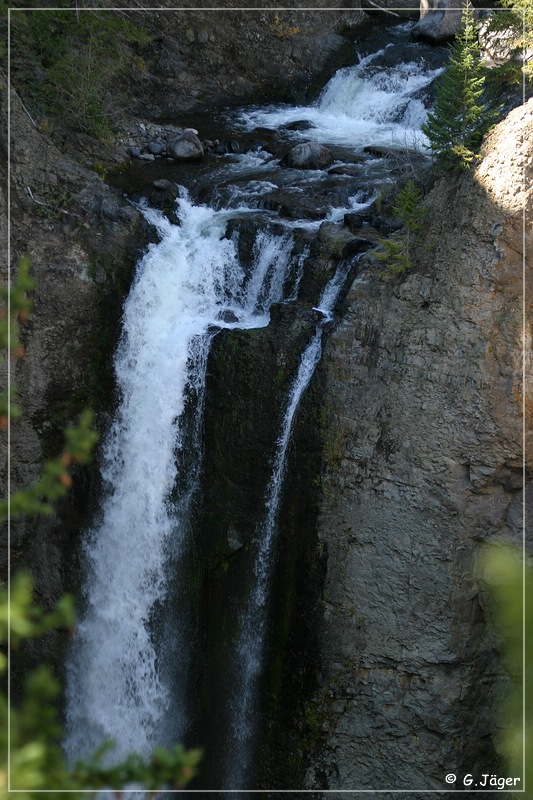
x: 423, y: 441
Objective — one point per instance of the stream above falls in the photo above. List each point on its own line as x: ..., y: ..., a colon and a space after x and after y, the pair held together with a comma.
x: 187, y: 584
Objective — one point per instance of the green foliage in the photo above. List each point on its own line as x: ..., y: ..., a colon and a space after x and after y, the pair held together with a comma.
x: 461, y: 116
x: 16, y: 309
x: 408, y: 208
x: 33, y: 730
x: 55, y: 203
x: 80, y: 54
x: 282, y: 29
x: 396, y: 252
x: 55, y: 478
x: 519, y: 20
x: 512, y: 588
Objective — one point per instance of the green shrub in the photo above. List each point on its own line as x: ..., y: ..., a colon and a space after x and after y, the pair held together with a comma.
x: 396, y: 251
x: 31, y: 733
x: 519, y: 20
x: 79, y: 54
x: 510, y: 581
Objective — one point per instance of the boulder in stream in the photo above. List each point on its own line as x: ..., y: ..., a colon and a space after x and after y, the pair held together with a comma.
x: 308, y: 155
x: 186, y: 147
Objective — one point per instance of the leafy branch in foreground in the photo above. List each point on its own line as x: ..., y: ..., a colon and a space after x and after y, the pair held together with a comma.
x: 511, y: 585
x: 37, y: 761
x: 55, y: 478
x: 17, y: 307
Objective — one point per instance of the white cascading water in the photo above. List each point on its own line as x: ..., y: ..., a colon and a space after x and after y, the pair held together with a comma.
x: 186, y: 284
x: 182, y: 287
x: 254, y: 623
x: 359, y: 106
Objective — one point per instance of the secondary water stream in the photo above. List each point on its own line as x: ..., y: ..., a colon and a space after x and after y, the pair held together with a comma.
x: 129, y: 674
x: 255, y: 616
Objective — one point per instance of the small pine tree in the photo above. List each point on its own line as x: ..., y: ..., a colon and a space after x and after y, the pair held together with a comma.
x: 460, y: 117
x: 396, y: 252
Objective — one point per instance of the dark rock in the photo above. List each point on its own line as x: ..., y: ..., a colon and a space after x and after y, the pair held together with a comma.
x: 186, y: 147
x: 170, y: 64
x: 308, y: 155
x: 129, y: 214
x: 295, y: 205
x: 299, y: 125
x: 110, y: 207
x: 155, y: 148
x: 228, y: 316
x: 134, y: 152
x: 358, y: 244
x: 382, y: 151
x: 166, y: 186
x: 390, y: 224
x: 233, y: 146
x: 354, y: 220
x: 347, y: 169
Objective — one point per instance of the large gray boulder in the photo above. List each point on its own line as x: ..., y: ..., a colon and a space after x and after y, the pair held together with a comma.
x: 186, y: 147
x: 439, y: 20
x: 308, y: 155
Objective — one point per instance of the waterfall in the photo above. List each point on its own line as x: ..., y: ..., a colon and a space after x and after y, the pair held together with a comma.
x: 129, y: 668
x: 184, y: 286
x: 254, y: 622
x: 360, y: 105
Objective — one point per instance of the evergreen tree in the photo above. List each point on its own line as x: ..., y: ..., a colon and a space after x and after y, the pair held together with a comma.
x: 460, y: 117
x: 396, y: 251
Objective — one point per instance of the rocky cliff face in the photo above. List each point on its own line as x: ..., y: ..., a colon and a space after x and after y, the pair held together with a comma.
x: 211, y: 57
x: 423, y: 464
x: 421, y: 423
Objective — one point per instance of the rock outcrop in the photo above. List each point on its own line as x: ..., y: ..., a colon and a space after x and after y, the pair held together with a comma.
x: 423, y: 450
x: 439, y: 20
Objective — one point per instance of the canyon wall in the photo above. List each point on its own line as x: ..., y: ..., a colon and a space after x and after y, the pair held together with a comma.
x: 423, y: 465
x: 418, y: 405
